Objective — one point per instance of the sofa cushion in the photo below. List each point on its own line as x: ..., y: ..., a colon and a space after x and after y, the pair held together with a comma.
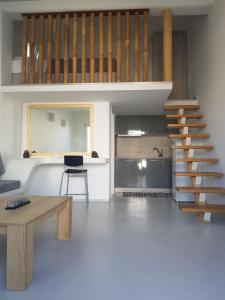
x: 9, y: 185
x: 2, y: 168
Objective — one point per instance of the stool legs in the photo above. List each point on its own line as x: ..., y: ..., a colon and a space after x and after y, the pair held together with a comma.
x: 60, y: 189
x: 86, y: 188
x: 67, y: 185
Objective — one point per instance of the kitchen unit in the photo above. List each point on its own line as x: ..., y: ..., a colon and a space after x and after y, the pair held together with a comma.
x: 143, y: 157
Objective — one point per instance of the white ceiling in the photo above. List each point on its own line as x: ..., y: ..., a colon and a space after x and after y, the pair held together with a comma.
x: 180, y: 7
x: 141, y: 98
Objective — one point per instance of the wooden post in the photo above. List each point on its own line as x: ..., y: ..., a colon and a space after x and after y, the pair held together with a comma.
x: 127, y: 48
x: 119, y: 47
x: 66, y: 48
x: 167, y: 45
x: 83, y: 41
x: 49, y: 50
x: 57, y: 48
x: 92, y: 47
x: 32, y: 40
x: 136, y: 46
x: 145, y: 45
x: 101, y: 47
x: 64, y: 222
x: 75, y: 34
x: 24, y: 50
x: 109, y: 47
x: 40, y: 48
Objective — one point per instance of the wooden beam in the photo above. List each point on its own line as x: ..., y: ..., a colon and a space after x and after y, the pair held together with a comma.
x: 49, y: 50
x: 101, y: 46
x: 136, y: 46
x: 57, y: 48
x: 66, y: 48
x: 92, y: 47
x: 32, y: 57
x: 110, y: 47
x: 119, y: 48
x: 75, y: 35
x: 24, y: 50
x: 167, y: 45
x: 145, y: 45
x: 83, y: 51
x: 127, y: 48
x: 40, y: 48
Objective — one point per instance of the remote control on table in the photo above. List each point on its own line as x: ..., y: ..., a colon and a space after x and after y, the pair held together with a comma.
x: 13, y: 204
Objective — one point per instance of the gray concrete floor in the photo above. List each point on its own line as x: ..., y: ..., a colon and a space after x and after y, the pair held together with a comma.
x: 128, y: 249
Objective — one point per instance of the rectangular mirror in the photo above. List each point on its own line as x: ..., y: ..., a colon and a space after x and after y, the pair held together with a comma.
x: 59, y: 129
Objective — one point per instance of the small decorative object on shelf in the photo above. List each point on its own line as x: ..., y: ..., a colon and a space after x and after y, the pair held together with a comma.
x: 94, y: 154
x: 26, y: 154
x: 13, y: 204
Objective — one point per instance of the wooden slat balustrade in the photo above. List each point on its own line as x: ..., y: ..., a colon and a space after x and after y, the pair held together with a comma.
x: 106, y: 54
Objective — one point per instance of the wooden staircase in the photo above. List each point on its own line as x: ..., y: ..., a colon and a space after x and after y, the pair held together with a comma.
x: 186, y: 123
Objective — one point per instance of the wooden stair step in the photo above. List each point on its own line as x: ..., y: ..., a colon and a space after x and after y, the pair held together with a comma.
x: 200, y: 174
x: 188, y: 116
x: 197, y: 147
x: 192, y: 125
x: 195, y: 207
x: 181, y: 106
x: 197, y: 159
x: 191, y: 135
x: 201, y: 189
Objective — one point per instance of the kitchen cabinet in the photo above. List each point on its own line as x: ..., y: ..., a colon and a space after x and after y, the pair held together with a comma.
x: 143, y: 173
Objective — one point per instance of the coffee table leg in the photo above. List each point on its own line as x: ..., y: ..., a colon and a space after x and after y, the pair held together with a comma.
x: 64, y: 224
x: 19, y: 256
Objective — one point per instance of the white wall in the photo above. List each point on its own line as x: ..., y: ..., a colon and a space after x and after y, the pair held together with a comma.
x: 207, y: 54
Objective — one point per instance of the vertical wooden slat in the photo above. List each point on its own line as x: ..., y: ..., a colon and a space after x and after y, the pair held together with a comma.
x: 32, y: 58
x: 109, y: 47
x: 24, y: 50
x: 66, y: 48
x: 145, y: 45
x: 127, y: 48
x: 75, y: 34
x: 167, y: 45
x: 40, y: 48
x: 57, y: 48
x: 83, y: 51
x: 49, y: 50
x: 136, y: 46
x: 118, y: 47
x: 101, y: 47
x: 92, y: 48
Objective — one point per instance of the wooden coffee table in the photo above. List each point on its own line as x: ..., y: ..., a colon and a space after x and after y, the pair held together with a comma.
x: 18, y: 226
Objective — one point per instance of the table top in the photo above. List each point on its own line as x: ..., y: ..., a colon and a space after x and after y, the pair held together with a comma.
x: 39, y: 207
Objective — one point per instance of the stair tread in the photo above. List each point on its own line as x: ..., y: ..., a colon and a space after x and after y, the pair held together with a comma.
x: 196, y: 159
x: 195, y: 174
x: 181, y: 106
x: 201, y: 189
x: 193, y: 125
x: 196, y: 207
x: 188, y: 116
x: 191, y: 135
x: 193, y: 147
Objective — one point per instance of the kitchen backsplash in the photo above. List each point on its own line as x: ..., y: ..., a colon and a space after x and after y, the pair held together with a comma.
x: 143, y: 146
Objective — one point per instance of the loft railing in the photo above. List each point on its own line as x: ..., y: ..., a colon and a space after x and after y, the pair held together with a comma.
x: 91, y: 46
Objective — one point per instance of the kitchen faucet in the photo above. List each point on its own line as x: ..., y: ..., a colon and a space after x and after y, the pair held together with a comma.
x: 160, y: 153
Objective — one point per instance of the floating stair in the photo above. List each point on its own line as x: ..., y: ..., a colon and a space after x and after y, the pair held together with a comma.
x: 199, y: 174
x: 190, y: 125
x: 187, y: 116
x: 189, y: 135
x: 202, y: 208
x: 188, y: 147
x: 197, y: 159
x: 186, y: 120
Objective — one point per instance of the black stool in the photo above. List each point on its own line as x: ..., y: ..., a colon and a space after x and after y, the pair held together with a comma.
x: 74, y: 161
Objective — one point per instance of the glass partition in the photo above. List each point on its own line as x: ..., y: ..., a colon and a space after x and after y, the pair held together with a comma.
x: 59, y: 129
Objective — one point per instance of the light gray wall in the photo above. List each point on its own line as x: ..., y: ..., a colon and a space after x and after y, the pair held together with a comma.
x: 207, y: 54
